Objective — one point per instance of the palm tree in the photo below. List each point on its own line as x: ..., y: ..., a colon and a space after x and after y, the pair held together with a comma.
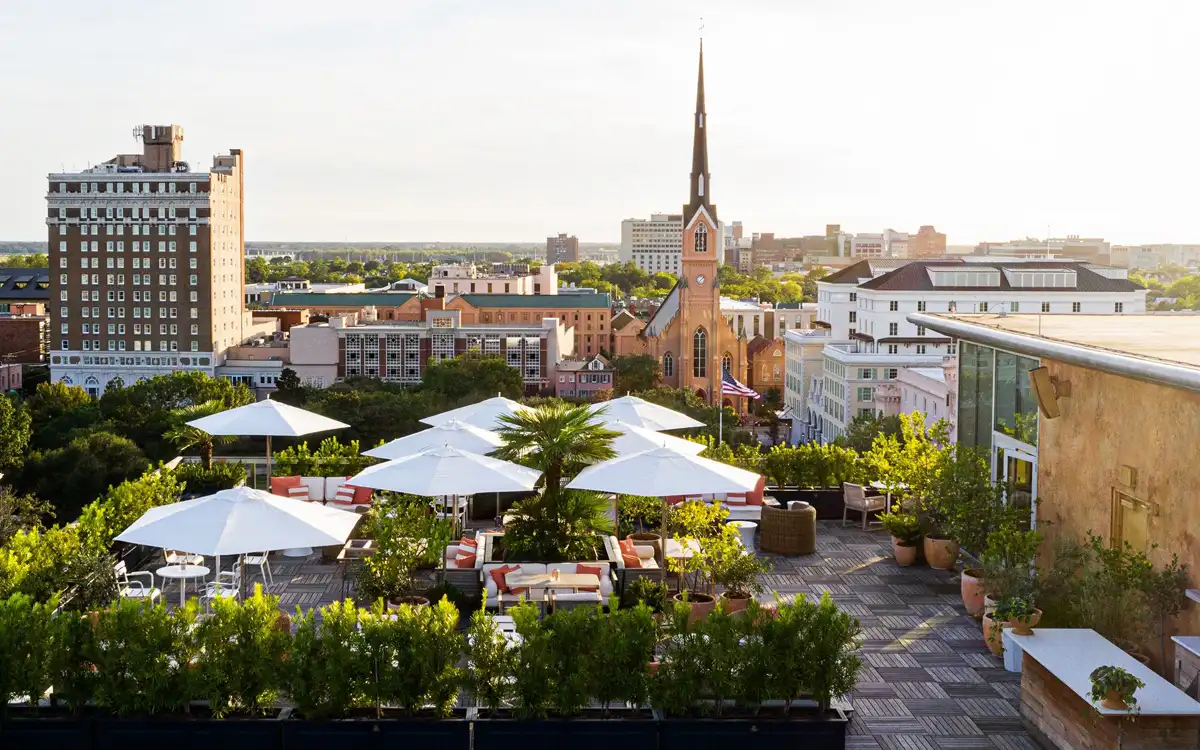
x: 559, y: 440
x: 185, y: 437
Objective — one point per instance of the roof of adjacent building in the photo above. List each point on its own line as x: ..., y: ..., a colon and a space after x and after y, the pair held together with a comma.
x: 349, y: 299
x: 25, y: 284
x: 568, y: 365
x: 796, y: 306
x: 933, y: 373
x: 593, y: 301
x: 758, y: 344
x: 622, y: 319
x: 1154, y: 347
x: 915, y: 276
x: 867, y: 268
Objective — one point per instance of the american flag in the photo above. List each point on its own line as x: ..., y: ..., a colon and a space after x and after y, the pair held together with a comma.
x: 731, y: 387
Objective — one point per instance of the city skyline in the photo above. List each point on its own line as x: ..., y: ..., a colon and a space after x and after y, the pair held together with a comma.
x: 445, y: 121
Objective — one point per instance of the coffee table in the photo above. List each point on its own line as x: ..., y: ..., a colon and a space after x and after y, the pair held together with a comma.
x: 183, y: 573
x: 572, y: 581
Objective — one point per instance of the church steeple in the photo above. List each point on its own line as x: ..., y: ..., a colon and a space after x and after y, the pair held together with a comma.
x: 701, y: 182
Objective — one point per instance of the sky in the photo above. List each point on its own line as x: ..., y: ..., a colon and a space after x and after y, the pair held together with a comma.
x: 509, y: 120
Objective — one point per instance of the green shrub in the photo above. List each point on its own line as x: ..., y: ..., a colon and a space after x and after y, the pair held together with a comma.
x: 197, y: 480
x: 327, y: 671
x: 330, y: 459
x: 414, y: 654
x: 241, y: 667
x: 143, y: 656
x: 27, y: 646
x: 491, y: 663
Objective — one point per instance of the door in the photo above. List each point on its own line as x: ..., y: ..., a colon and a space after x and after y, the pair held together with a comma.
x: 1018, y: 470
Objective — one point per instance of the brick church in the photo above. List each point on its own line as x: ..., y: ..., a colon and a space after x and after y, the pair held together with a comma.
x: 688, y: 335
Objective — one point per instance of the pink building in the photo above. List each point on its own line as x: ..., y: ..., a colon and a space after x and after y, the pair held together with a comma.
x: 585, y: 380
x: 10, y: 377
x: 933, y: 391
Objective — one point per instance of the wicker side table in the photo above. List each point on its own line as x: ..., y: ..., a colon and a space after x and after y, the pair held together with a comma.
x: 788, y: 532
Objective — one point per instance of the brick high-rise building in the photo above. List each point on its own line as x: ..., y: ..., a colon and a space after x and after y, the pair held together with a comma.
x: 146, y: 264
x: 927, y: 243
x: 562, y: 249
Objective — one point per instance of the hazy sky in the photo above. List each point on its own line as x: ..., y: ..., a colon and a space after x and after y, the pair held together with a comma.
x: 477, y: 120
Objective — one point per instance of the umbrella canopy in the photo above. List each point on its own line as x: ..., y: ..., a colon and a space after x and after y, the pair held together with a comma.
x: 270, y: 418
x: 485, y: 414
x: 447, y: 471
x: 240, y: 521
x: 641, y: 413
x: 661, y: 472
x: 636, y: 439
x: 454, y: 433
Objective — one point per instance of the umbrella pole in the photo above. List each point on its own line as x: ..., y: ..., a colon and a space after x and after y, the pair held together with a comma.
x: 664, y: 541
x: 268, y: 463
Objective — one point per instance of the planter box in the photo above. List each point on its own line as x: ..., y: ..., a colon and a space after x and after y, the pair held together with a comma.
x: 576, y: 734
x: 828, y: 502
x: 47, y: 733
x: 410, y: 734
x: 804, y: 729
x: 181, y: 733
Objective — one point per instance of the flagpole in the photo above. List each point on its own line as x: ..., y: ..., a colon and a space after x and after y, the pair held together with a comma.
x: 721, y: 417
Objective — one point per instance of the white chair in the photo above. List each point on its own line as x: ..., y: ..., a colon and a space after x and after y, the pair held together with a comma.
x: 854, y: 497
x: 223, y: 585
x: 264, y: 566
x: 175, y: 557
x: 132, y: 586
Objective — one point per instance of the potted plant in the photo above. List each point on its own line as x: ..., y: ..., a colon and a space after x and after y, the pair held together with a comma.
x: 738, y: 570
x: 1114, y: 688
x: 905, y: 529
x: 1018, y: 614
x: 1007, y: 568
x: 406, y: 538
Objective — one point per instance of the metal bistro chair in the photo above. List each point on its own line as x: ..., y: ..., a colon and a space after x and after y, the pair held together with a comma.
x: 264, y: 566
x: 223, y: 586
x: 175, y: 557
x: 131, y: 585
x: 854, y: 497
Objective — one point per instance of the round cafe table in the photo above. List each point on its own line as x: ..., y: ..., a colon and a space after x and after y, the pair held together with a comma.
x: 182, y: 572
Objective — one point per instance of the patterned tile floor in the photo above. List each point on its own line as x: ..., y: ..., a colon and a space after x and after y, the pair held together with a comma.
x: 928, y: 681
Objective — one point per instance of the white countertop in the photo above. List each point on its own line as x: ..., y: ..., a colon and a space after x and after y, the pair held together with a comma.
x: 1188, y: 643
x: 1070, y: 654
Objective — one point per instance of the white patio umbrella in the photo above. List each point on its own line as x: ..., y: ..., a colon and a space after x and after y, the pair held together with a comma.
x: 661, y: 472
x: 636, y: 439
x: 438, y: 472
x: 484, y: 414
x: 266, y: 418
x: 454, y: 433
x: 641, y: 413
x: 238, y: 522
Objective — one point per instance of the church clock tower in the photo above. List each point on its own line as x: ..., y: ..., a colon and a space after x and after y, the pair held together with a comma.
x: 700, y: 308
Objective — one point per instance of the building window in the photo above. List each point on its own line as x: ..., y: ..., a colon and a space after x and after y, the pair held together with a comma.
x: 1045, y: 307
x: 854, y: 296
x: 921, y: 306
x: 893, y: 329
x: 700, y: 353
x: 726, y: 362
x: 920, y: 348
x: 866, y: 394
x: 920, y: 330
x: 853, y: 317
x: 701, y: 236
x: 668, y: 365
x: 891, y: 373
x: 1075, y: 307
x: 893, y: 349
x: 983, y: 307
x: 893, y: 306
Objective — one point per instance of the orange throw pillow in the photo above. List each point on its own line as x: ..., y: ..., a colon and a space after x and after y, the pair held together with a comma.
x: 627, y: 547
x: 502, y: 585
x: 465, y: 561
x: 631, y: 561
x: 465, y: 542
x: 590, y: 570
x: 756, y: 497
x: 281, y: 485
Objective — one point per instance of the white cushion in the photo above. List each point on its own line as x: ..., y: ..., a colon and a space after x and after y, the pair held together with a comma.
x: 331, y: 486
x: 580, y: 596
x: 490, y: 584
x: 734, y: 500
x: 299, y: 493
x: 316, y: 488
x: 745, y: 513
x: 605, y: 580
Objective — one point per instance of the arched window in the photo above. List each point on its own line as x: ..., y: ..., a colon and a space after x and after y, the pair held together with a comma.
x: 668, y: 365
x: 726, y: 362
x: 700, y: 354
x: 701, y: 238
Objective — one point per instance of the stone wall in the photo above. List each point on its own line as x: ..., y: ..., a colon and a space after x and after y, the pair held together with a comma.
x: 1057, y: 717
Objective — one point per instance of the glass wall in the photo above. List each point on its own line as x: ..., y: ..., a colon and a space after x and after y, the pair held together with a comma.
x: 975, y: 381
x: 1016, y: 409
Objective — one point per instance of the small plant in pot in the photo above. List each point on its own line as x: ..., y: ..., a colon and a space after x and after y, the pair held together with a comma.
x: 1018, y: 614
x: 905, y: 529
x: 406, y: 538
x: 738, y: 570
x: 1114, y: 688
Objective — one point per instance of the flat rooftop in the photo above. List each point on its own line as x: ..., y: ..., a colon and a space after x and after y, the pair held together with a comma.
x: 1173, y: 338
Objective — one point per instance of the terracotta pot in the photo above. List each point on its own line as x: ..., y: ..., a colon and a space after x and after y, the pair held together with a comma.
x: 1113, y: 701
x: 972, y: 591
x: 734, y: 602
x: 702, y: 605
x: 1024, y: 627
x: 993, y: 639
x: 283, y: 623
x: 905, y: 555
x: 93, y: 617
x: 649, y: 539
x: 941, y: 554
x: 418, y: 601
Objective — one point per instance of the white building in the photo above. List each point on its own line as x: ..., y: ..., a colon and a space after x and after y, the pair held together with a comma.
x: 895, y: 244
x: 655, y: 244
x: 466, y: 278
x: 921, y: 389
x: 867, y: 245
x: 864, y: 308
x: 804, y: 359
x: 1153, y: 256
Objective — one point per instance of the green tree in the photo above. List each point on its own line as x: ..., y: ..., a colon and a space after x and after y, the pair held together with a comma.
x: 472, y: 377
x: 861, y: 432
x: 14, y: 436
x: 637, y: 372
x: 55, y: 410
x: 79, y: 472
x: 185, y: 437
x: 288, y: 388
x: 21, y: 513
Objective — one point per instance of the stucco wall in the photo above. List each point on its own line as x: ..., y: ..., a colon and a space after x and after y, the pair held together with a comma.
x: 1109, y: 422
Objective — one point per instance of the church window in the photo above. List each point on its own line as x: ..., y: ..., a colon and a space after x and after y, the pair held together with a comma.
x: 701, y: 238
x: 726, y: 361
x: 668, y: 365
x: 700, y: 354
x: 700, y: 183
